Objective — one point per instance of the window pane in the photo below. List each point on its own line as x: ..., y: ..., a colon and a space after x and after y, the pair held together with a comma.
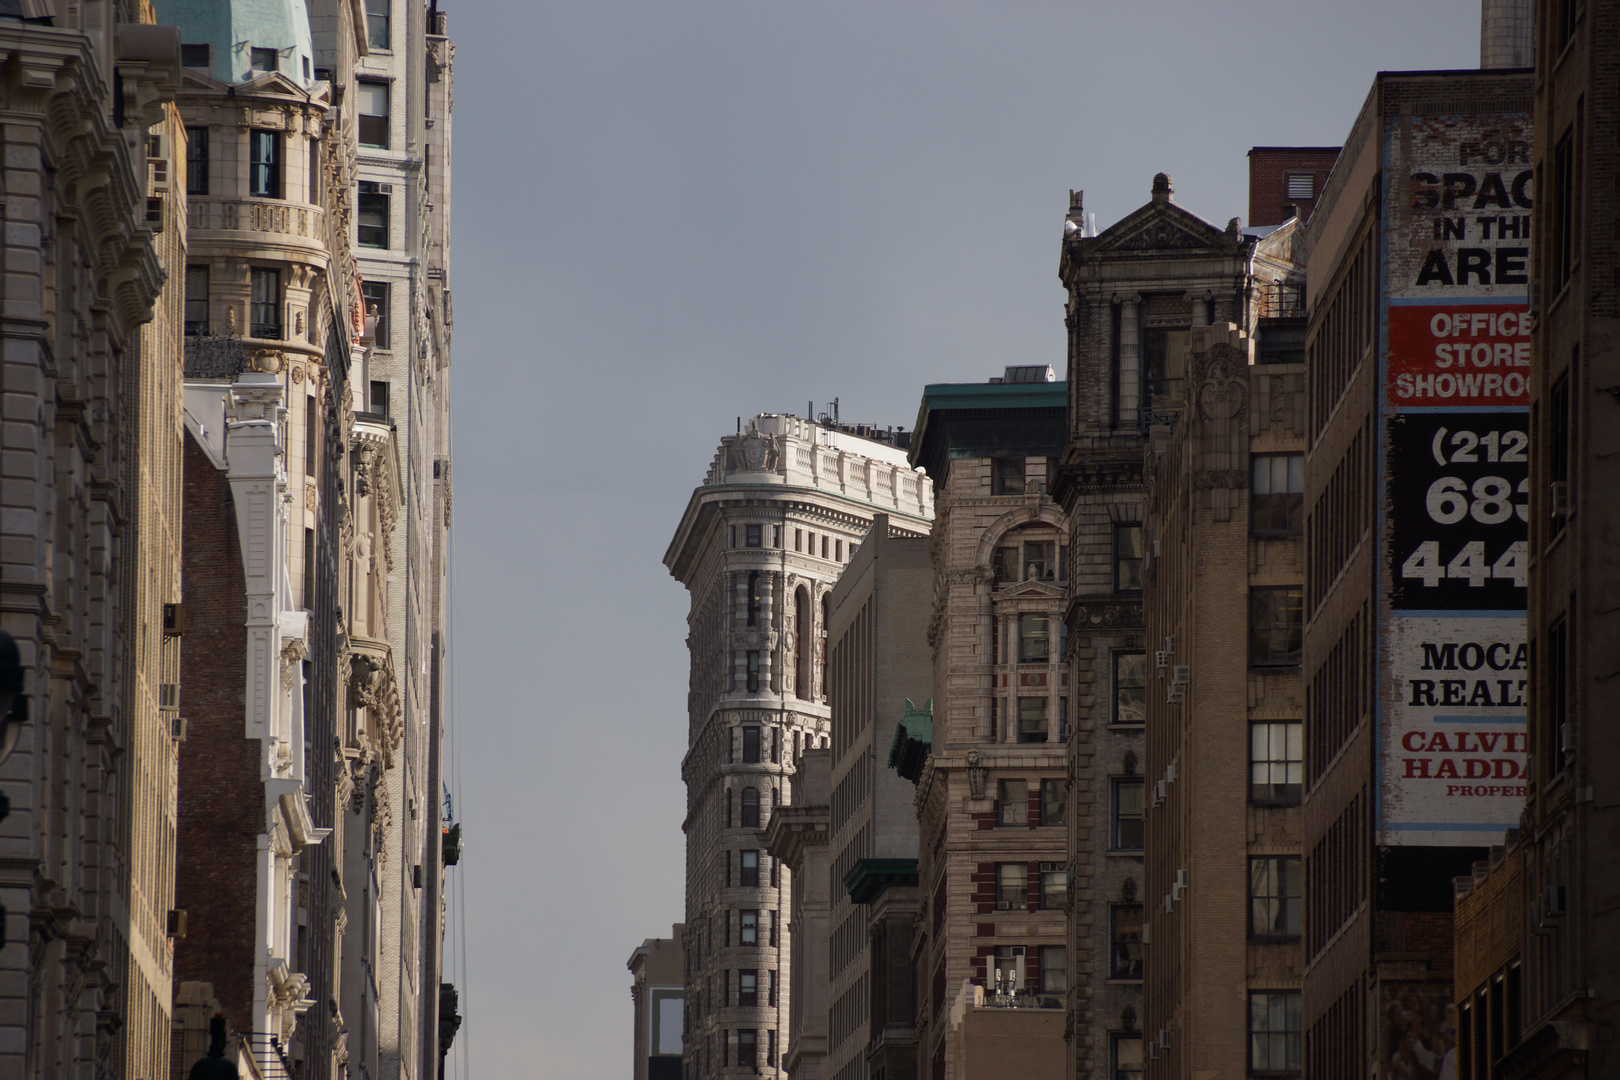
x: 376, y: 297
x: 377, y: 24
x: 1130, y: 688
x: 264, y: 169
x: 1039, y: 565
x: 1276, y: 626
x: 1031, y: 719
x: 1054, y: 969
x: 1009, y: 476
x: 1012, y: 802
x: 372, y: 215
x: 373, y: 114
x: 196, y: 161
x: 1128, y: 815
x: 1034, y: 644
x: 265, y: 316
x: 196, y: 300
x: 1054, y: 889
x: 1011, y: 885
x: 1166, y: 367
x: 1127, y: 1057
x: 1052, y: 802
x: 1127, y: 942
x: 1128, y: 558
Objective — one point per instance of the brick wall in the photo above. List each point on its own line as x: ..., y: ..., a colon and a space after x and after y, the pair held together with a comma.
x: 221, y: 797
x: 1269, y: 169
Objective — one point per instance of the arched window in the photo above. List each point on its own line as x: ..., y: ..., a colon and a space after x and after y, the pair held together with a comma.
x: 753, y: 598
x: 750, y: 808
x: 801, y: 642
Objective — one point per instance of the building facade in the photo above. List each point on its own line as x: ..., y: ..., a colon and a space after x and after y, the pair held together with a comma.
x: 658, y: 985
x: 990, y: 795
x: 797, y: 835
x: 762, y: 541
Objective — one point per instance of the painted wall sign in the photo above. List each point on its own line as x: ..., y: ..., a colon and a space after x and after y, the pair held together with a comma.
x: 1454, y: 483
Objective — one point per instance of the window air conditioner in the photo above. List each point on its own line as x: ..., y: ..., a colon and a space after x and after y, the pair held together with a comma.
x: 1180, y: 674
x: 1161, y: 660
x: 174, y: 620
x: 1050, y: 867
x: 1558, y: 499
x: 169, y: 696
x: 154, y: 213
x: 1552, y: 900
x: 177, y: 728
x: 1003, y: 905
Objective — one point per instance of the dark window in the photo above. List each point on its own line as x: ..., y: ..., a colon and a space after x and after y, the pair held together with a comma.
x: 755, y: 535
x: 1125, y: 928
x: 1008, y: 476
x: 776, y: 536
x: 1274, y: 1031
x: 1276, y: 626
x: 199, y: 57
x: 1275, y: 907
x: 1034, y: 639
x: 1128, y: 558
x: 1052, y: 802
x: 377, y: 25
x: 1012, y: 803
x: 750, y: 805
x: 313, y: 152
x: 1557, y: 677
x: 376, y: 300
x: 1031, y: 719
x: 372, y: 215
x: 1166, y: 367
x: 266, y: 314
x: 1130, y: 688
x: 373, y: 113
x: 264, y: 171
x: 803, y: 646
x: 1277, y: 496
x: 1568, y: 14
x: 754, y: 597
x: 1004, y: 563
x: 196, y: 161
x: 1283, y: 342
x: 748, y: 927
x: 196, y: 300
x: 1054, y: 969
x: 753, y: 671
x: 1039, y: 565
x: 309, y: 569
x: 312, y: 431
x: 1054, y: 889
x: 1126, y: 1051
x: 1127, y: 815
x: 379, y: 396
x: 748, y: 876
x: 747, y: 1048
x: 1564, y: 238
x: 1012, y: 885
x: 748, y: 988
x: 265, y: 59
x: 750, y: 737
x: 1276, y: 761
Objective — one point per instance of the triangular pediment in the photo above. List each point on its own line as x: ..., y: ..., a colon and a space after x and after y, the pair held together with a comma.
x: 1161, y: 227
x: 1029, y: 588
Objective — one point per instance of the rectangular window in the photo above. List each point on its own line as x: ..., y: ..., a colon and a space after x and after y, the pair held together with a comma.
x: 1276, y: 626
x: 776, y: 536
x: 1012, y: 886
x: 838, y: 550
x: 1275, y: 905
x: 755, y: 535
x: 748, y: 927
x: 264, y: 59
x: 1125, y: 930
x: 1054, y: 969
x: 1277, y: 494
x: 196, y: 161
x: 1130, y: 688
x: 798, y: 539
x: 753, y: 671
x: 1034, y: 640
x: 371, y: 215
x: 747, y: 1048
x: 1126, y: 1052
x: 1274, y: 1031
x: 196, y: 57
x: 1557, y: 678
x: 1276, y: 761
x: 823, y: 545
x: 1008, y: 476
x: 1564, y: 238
x: 265, y: 321
x: 748, y: 876
x: 264, y: 164
x: 379, y: 397
x: 1166, y: 367
x: 1128, y: 815
x: 747, y: 988
x: 1128, y: 558
x: 377, y: 25
x: 373, y: 112
x: 1031, y: 719
x: 375, y: 294
x: 1052, y: 802
x: 309, y: 569
x: 750, y: 738
x: 196, y: 300
x: 1012, y: 803
x: 1004, y: 564
x: 312, y: 431
x: 1558, y: 441
x: 1039, y: 565
x: 1054, y: 889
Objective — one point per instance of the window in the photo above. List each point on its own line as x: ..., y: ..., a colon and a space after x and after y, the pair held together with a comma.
x: 1564, y: 237
x: 377, y: 25
x: 748, y: 927
x: 1039, y: 565
x: 1558, y: 441
x: 379, y: 397
x: 1008, y: 476
x: 1301, y: 186
x: 1275, y: 907
x: 264, y: 164
x: 748, y: 988
x: 802, y: 643
x: 824, y: 542
x: 1127, y: 815
x: 371, y: 219
x: 1054, y: 969
x: 750, y: 805
x: 1012, y: 885
x: 1125, y: 930
x: 1276, y: 761
x: 1126, y: 1052
x: 838, y: 550
x: 1031, y: 719
x: 748, y: 876
x: 753, y: 672
x: 265, y: 320
x: 1276, y: 626
x: 1034, y: 641
x: 373, y: 112
x: 375, y: 294
x: 1277, y: 494
x: 754, y: 598
x: 1012, y: 803
x: 197, y: 57
x: 1130, y: 688
x: 1052, y: 802
x: 1004, y: 563
x: 309, y: 569
x: 196, y: 300
x: 312, y: 430
x: 1556, y: 676
x: 1166, y: 367
x: 747, y: 1048
x: 196, y: 161
x: 265, y: 59
x: 1128, y: 558
x: 750, y: 737
x: 776, y: 536
x: 1274, y: 1031
x: 755, y: 535
x: 1054, y: 889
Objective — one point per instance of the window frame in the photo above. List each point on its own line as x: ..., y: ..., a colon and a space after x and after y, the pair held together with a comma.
x: 265, y: 163
x: 1054, y: 889
x: 1289, y: 906
x: 749, y: 809
x: 1270, y: 656
x: 370, y: 199
x: 1117, y: 817
x: 747, y: 988
x: 1293, y: 741
x: 1042, y: 559
x: 752, y: 745
x: 1001, y: 475
x: 754, y: 535
x: 1032, y: 735
x: 1054, y: 811
x: 375, y: 294
x: 1034, y: 637
x: 1128, y: 567
x: 1272, y: 1033
x: 1121, y: 963
x: 1263, y: 504
x: 385, y: 17
x: 1016, y: 898
x: 748, y: 934
x: 1139, y: 1067
x: 1047, y: 953
x: 364, y: 121
x: 745, y: 872
x: 1116, y: 710
x: 197, y: 160
x: 197, y: 327
x: 1016, y: 807
x: 257, y: 308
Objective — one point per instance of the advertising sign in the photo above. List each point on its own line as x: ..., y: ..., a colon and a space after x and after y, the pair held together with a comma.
x: 1454, y: 481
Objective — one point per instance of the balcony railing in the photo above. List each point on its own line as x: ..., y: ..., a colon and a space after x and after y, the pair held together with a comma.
x: 254, y: 215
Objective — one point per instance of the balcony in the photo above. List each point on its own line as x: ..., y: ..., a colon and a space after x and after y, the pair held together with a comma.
x: 273, y: 220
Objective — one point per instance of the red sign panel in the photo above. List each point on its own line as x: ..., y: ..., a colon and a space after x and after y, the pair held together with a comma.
x: 1458, y: 355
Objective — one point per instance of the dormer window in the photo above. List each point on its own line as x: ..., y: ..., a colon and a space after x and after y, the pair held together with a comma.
x: 196, y: 57
x: 1008, y: 477
x: 266, y: 59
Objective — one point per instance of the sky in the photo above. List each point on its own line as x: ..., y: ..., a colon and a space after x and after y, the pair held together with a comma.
x: 671, y: 214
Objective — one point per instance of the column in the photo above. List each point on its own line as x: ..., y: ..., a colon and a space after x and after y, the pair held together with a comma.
x: 1130, y: 359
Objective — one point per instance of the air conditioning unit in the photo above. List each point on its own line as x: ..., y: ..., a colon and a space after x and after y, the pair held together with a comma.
x: 169, y: 696
x: 1164, y: 1039
x: 177, y: 728
x: 1147, y: 932
x: 1181, y: 674
x: 177, y: 922
x: 1161, y: 660
x: 1160, y: 790
x: 1552, y: 901
x: 385, y: 189
x: 1004, y: 905
x: 174, y: 620
x: 1051, y: 867
x: 157, y: 162
x: 1558, y: 499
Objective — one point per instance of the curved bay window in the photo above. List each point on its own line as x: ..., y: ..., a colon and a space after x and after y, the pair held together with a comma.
x: 1034, y: 637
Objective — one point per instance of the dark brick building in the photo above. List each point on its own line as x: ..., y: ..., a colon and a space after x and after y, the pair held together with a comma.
x: 1281, y: 177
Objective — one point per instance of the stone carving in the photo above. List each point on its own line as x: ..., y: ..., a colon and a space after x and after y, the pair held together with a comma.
x: 976, y: 774
x: 1108, y: 615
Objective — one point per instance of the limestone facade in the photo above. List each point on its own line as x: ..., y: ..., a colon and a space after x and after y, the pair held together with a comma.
x: 782, y: 508
x: 797, y: 835
x: 657, y: 986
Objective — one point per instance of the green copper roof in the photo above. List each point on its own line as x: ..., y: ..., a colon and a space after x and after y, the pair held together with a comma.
x: 980, y: 420
x: 232, y: 29
x: 913, y: 740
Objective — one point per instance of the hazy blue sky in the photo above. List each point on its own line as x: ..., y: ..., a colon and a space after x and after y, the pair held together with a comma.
x: 671, y: 214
